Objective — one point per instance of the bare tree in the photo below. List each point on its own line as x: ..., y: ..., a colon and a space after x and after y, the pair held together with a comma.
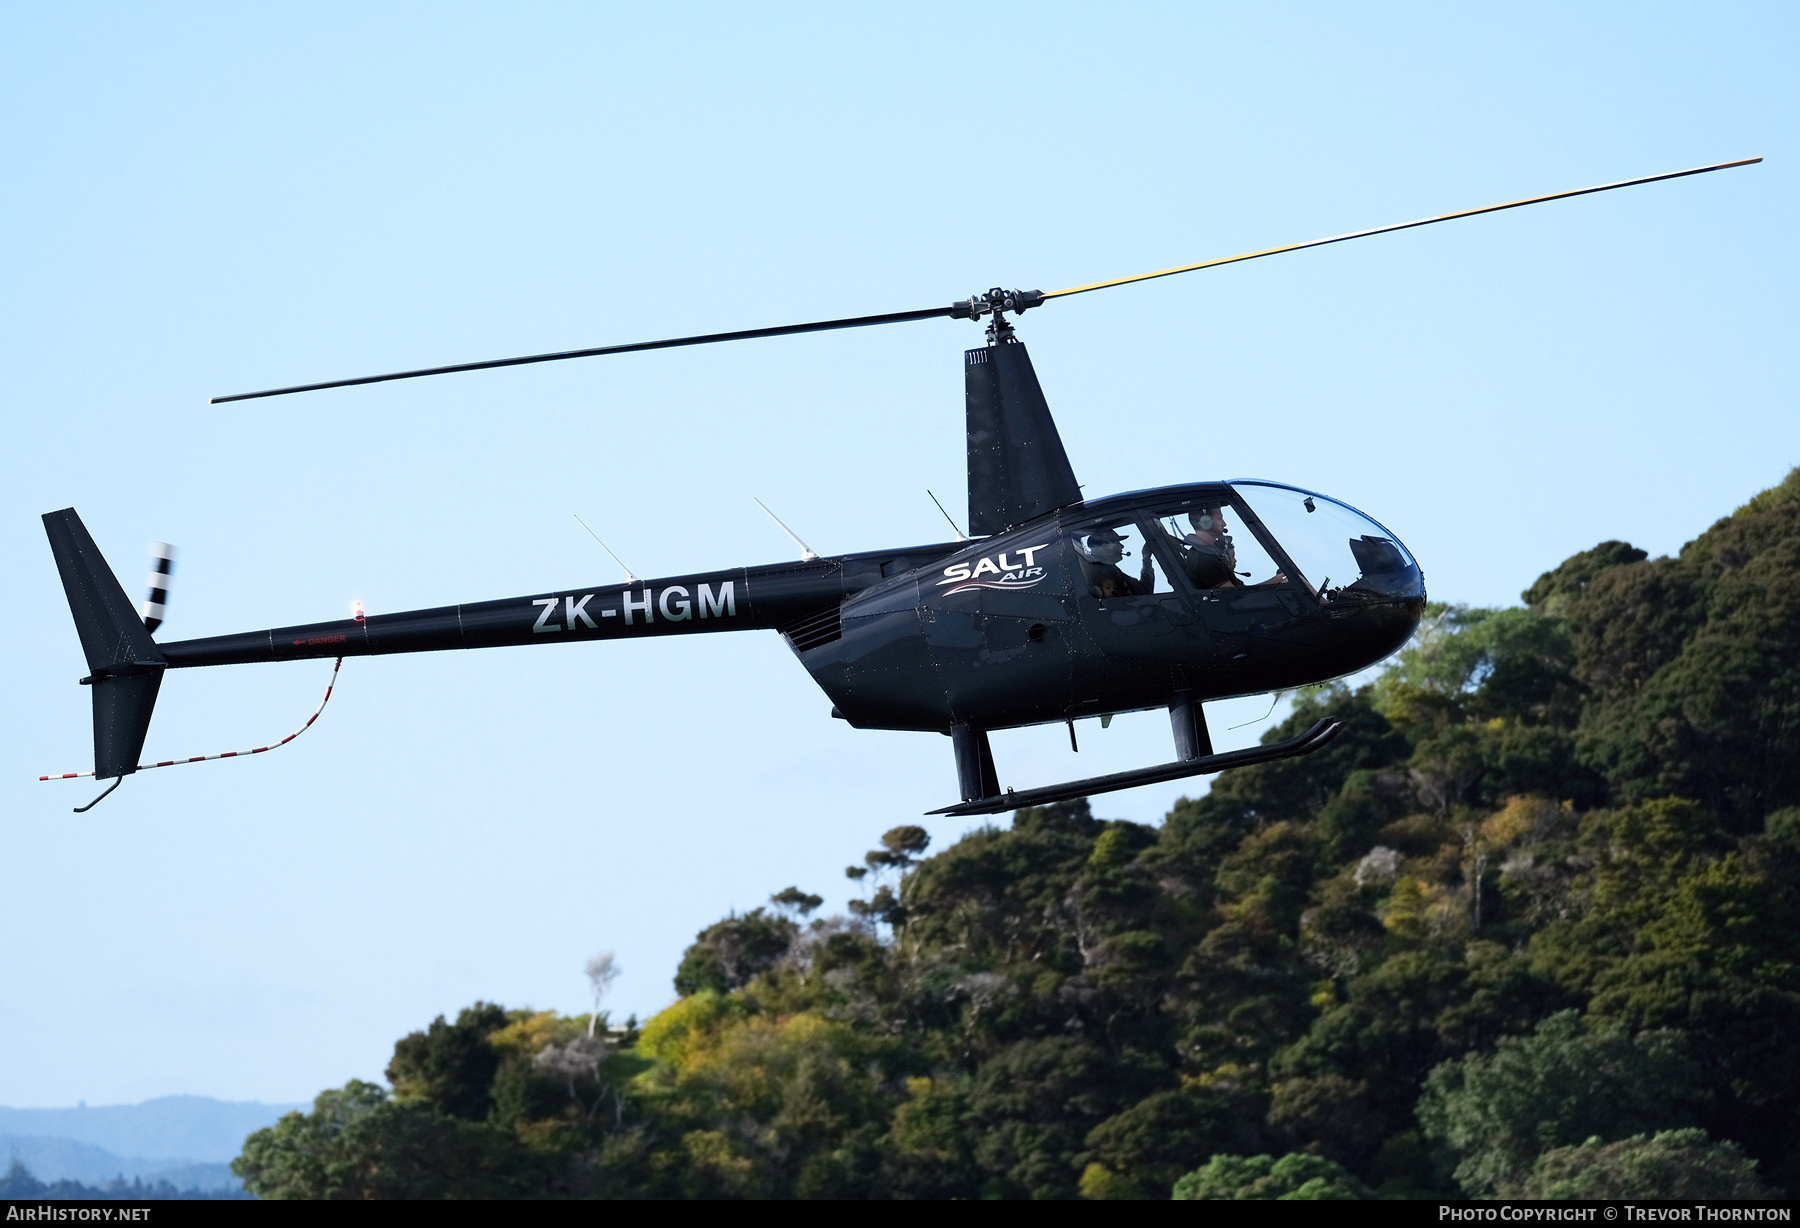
x: 602, y: 971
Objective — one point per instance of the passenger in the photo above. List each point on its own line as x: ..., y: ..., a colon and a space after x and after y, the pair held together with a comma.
x: 1100, y: 561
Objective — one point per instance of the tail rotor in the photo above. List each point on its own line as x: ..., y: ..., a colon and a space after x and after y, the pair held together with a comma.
x: 162, y: 566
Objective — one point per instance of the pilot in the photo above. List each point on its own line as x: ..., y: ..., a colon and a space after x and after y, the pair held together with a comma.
x: 1207, y: 554
x: 1100, y: 561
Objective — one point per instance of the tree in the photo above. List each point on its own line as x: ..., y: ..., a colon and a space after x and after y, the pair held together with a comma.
x: 1143, y: 1150
x: 768, y: 1107
x: 359, y: 1143
x: 900, y: 848
x: 1033, y: 1104
x: 1564, y: 1083
x: 1294, y: 1177
x: 602, y: 970
x: 449, y: 1066
x: 1671, y: 1164
x: 1696, y: 662
x: 792, y: 898
x: 727, y: 954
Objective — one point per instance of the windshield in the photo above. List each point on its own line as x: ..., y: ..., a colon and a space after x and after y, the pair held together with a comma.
x: 1340, y: 553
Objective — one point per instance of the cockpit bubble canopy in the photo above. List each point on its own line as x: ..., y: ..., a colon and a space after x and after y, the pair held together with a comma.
x: 1342, y: 554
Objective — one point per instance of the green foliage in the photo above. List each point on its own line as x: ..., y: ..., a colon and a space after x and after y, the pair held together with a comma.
x: 1530, y: 923
x: 1565, y: 1082
x: 301, y: 1155
x: 450, y: 1066
x: 728, y: 953
x: 358, y: 1143
x: 1033, y: 1103
x: 1697, y: 660
x: 1555, y: 589
x: 927, y: 1152
x: 775, y: 1107
x: 1151, y: 1144
x: 799, y: 901
x: 1673, y: 1164
x: 903, y: 845
x: 1101, y: 1184
x: 1482, y: 664
x: 1295, y: 1177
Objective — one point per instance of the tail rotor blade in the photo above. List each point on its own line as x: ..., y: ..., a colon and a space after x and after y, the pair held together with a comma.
x: 162, y: 566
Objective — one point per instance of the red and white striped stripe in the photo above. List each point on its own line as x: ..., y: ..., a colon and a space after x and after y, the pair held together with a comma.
x: 230, y: 754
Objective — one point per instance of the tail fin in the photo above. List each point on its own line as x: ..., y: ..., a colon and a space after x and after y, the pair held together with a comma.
x: 1018, y: 469
x: 125, y: 667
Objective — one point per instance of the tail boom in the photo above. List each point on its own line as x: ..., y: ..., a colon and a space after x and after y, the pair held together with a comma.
x: 772, y: 596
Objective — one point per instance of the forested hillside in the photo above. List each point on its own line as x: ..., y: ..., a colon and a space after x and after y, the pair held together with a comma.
x: 1529, y: 926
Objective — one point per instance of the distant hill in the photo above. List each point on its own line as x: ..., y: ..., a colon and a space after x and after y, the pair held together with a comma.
x: 174, y: 1130
x: 64, y: 1159
x: 19, y: 1184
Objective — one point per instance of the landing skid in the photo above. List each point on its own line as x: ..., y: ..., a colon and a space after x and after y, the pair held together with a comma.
x: 1321, y: 732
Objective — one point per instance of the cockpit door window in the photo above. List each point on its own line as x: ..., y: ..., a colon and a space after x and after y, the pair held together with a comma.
x: 1213, y: 547
x: 1114, y: 560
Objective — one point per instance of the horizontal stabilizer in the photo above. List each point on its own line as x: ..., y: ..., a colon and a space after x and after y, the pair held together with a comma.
x: 1321, y: 732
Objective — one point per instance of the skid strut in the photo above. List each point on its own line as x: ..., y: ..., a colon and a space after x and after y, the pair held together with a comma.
x: 1189, y: 722
x: 1321, y: 732
x: 975, y: 774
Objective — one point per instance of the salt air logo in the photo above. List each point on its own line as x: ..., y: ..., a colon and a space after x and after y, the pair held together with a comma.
x: 673, y: 603
x: 1007, y: 572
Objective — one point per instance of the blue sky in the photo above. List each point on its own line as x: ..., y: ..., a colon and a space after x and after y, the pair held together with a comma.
x: 205, y: 199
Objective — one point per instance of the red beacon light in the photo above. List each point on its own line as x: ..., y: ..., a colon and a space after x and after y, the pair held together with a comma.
x: 356, y: 610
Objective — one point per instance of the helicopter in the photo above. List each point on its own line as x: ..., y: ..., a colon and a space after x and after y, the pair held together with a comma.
x: 1054, y: 607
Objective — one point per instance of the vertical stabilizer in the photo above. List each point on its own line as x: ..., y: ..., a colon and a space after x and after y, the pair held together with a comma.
x: 1017, y: 467
x: 124, y: 664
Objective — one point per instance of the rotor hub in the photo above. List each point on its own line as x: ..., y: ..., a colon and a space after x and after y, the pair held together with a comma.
x: 996, y: 303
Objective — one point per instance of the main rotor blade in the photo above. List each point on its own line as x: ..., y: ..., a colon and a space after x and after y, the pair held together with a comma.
x: 819, y: 326
x: 972, y: 309
x: 1381, y: 230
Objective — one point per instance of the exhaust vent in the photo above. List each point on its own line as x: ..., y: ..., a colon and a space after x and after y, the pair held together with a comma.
x: 814, y: 630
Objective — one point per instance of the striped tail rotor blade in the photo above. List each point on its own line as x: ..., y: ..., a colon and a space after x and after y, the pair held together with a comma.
x: 162, y: 566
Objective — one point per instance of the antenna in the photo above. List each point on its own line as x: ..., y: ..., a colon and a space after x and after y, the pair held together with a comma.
x: 115, y: 784
x: 959, y: 533
x: 629, y: 578
x: 806, y: 551
x: 1274, y: 698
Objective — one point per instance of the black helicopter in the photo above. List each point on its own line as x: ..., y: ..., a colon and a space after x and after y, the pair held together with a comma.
x: 1060, y: 607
